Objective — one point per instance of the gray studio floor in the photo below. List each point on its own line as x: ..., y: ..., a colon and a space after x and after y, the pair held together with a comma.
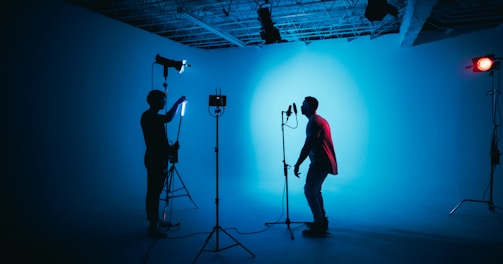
x: 471, y: 235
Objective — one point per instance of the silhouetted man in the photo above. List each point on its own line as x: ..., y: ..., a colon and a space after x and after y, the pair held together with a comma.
x: 156, y: 154
x: 320, y: 149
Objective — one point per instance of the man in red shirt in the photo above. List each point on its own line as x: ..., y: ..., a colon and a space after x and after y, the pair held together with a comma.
x: 320, y: 149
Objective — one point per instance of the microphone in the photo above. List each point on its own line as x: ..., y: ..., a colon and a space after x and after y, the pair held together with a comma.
x: 294, y: 108
x: 288, y: 112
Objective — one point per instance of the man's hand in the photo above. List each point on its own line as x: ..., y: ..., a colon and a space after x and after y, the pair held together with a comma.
x: 296, y: 170
x: 176, y: 145
x: 181, y: 100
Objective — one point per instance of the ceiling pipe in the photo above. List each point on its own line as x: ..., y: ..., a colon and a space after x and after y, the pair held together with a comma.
x: 214, y: 29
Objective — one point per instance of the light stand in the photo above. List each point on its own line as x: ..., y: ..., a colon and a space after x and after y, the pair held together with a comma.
x: 170, y: 174
x: 218, y: 101
x: 495, y: 153
x: 285, y: 172
x: 173, y: 155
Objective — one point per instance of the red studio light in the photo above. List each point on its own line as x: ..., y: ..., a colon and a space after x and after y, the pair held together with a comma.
x: 484, y: 63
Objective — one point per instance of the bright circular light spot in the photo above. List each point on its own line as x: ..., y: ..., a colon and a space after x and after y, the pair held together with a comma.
x: 287, y: 82
x: 484, y: 64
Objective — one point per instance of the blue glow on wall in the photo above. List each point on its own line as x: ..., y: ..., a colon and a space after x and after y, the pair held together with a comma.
x: 306, y: 73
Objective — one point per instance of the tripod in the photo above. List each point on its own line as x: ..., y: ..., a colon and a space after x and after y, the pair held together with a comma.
x: 495, y: 155
x: 170, y: 192
x: 285, y: 172
x: 217, y: 228
x: 170, y: 176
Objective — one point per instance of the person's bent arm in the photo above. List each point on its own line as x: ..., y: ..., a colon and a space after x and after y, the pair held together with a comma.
x: 304, y: 152
x: 172, y: 112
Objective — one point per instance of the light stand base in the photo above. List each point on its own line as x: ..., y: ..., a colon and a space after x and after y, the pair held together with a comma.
x: 170, y: 194
x: 490, y: 204
x: 216, y: 231
x: 288, y: 223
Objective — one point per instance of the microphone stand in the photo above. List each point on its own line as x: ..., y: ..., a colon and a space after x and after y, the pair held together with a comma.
x: 285, y: 173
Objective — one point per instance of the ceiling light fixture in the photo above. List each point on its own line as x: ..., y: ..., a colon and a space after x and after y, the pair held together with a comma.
x: 268, y: 32
x: 377, y: 9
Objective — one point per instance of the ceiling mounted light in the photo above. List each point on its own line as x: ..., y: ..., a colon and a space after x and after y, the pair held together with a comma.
x: 377, y: 9
x: 269, y: 33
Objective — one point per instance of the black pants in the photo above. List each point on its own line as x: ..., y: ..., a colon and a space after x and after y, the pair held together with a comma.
x: 156, y: 177
x: 312, y: 189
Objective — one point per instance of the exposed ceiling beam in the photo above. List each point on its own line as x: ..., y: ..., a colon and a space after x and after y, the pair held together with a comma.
x: 415, y: 16
x: 214, y: 30
x: 212, y: 24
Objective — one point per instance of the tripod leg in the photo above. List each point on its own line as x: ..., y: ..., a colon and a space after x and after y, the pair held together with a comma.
x: 289, y: 229
x: 169, y: 181
x: 237, y: 242
x: 166, y: 221
x: 215, y: 230
x: 183, y: 184
x: 204, y: 245
x: 456, y: 208
x: 491, y: 206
